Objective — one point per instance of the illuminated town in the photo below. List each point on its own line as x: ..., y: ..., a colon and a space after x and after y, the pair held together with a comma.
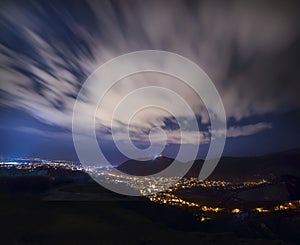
x: 199, y: 209
x: 160, y: 190
x: 37, y: 163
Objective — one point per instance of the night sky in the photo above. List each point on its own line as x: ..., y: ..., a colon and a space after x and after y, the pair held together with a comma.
x: 249, y: 49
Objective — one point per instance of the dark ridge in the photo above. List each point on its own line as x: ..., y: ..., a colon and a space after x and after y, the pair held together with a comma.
x: 252, y: 168
x: 142, y: 168
x: 267, y: 166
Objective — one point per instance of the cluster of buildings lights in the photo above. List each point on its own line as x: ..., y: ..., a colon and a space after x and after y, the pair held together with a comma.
x: 157, y: 184
x: 167, y: 197
x: 171, y: 199
x: 35, y: 163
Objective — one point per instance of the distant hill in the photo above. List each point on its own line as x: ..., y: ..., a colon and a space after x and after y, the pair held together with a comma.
x: 142, y: 168
x: 251, y: 168
x: 229, y: 168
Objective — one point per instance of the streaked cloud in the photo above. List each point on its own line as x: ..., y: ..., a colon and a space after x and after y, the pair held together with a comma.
x: 48, y: 50
x: 247, y: 129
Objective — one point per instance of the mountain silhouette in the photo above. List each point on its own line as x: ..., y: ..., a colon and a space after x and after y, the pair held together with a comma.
x: 229, y: 168
x: 149, y: 167
x: 252, y: 168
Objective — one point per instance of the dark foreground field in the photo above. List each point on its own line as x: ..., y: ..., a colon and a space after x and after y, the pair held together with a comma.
x: 38, y: 217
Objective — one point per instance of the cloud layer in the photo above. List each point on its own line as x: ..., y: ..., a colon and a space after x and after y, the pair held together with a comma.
x: 249, y: 50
